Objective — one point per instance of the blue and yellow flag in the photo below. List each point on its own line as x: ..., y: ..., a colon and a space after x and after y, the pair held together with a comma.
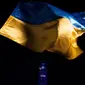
x: 41, y: 26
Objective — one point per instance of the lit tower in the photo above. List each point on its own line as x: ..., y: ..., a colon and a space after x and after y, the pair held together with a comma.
x: 42, y: 76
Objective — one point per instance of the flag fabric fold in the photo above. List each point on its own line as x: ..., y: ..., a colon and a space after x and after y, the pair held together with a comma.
x: 41, y: 12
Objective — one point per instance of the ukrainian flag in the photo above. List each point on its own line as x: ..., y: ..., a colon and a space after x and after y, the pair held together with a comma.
x: 35, y: 25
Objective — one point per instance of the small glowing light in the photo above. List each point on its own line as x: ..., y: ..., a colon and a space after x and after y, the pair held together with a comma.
x: 42, y: 75
x: 42, y: 68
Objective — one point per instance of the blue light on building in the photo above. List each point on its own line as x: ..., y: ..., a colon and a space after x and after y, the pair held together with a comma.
x: 42, y: 76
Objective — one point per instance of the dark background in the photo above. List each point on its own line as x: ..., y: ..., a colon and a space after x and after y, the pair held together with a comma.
x: 60, y: 70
